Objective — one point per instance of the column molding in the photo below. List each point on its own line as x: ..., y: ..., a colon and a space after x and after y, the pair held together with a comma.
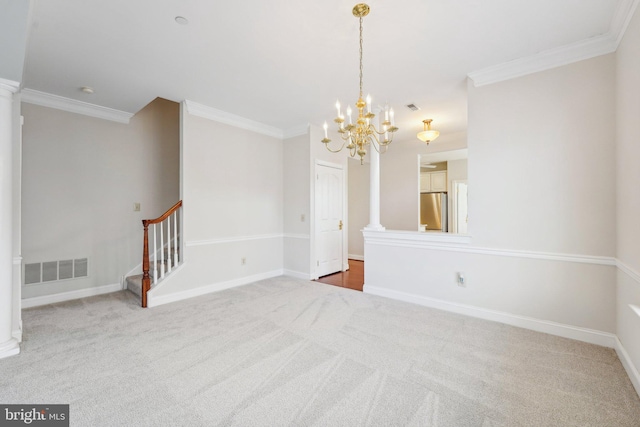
x: 374, y: 191
x: 9, y: 345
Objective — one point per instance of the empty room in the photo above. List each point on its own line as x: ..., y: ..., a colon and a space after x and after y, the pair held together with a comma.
x: 415, y: 213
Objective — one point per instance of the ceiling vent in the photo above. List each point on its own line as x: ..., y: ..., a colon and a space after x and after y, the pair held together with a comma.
x: 413, y: 107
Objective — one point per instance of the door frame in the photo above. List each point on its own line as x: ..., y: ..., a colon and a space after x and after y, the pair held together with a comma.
x: 454, y: 204
x: 314, y: 241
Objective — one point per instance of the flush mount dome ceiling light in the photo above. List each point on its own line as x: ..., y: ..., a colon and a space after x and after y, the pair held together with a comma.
x: 428, y: 135
x: 87, y: 89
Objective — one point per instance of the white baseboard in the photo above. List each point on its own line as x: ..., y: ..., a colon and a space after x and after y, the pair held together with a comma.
x: 17, y: 333
x: 297, y: 274
x: 628, y: 365
x: 356, y: 257
x: 9, y: 348
x: 154, y: 301
x: 68, y: 296
x: 563, y: 330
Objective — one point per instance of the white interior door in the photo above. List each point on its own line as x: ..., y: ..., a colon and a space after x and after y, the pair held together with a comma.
x: 329, y: 219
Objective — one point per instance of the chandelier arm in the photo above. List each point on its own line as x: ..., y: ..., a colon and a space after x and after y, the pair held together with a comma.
x: 335, y: 151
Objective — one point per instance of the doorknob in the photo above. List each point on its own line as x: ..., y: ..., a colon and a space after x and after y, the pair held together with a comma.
x: 340, y: 225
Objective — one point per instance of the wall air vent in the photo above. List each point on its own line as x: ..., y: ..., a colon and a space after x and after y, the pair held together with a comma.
x: 32, y: 273
x: 413, y: 107
x: 50, y: 271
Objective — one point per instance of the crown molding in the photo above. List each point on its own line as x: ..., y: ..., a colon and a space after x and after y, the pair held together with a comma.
x: 10, y: 85
x: 584, y: 49
x: 73, y: 106
x: 295, y: 131
x: 220, y: 116
x: 563, y: 55
x: 621, y: 18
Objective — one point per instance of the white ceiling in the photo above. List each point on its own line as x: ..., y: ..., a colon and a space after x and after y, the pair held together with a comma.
x: 284, y: 63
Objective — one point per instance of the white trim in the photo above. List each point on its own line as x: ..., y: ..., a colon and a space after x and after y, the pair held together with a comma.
x: 296, y: 236
x: 10, y: 85
x: 295, y: 131
x: 74, y: 106
x: 356, y: 257
x: 9, y: 348
x: 329, y: 164
x: 628, y: 365
x: 621, y: 18
x: 153, y: 301
x: 17, y: 260
x: 17, y: 333
x: 563, y: 330
x: 628, y: 270
x: 220, y: 116
x: 410, y: 237
x: 68, y: 296
x: 563, y: 55
x: 546, y: 60
x: 635, y: 309
x: 438, y: 241
x: 232, y: 240
x: 297, y: 274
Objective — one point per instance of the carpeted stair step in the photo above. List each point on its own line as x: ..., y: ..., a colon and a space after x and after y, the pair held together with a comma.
x: 134, y: 283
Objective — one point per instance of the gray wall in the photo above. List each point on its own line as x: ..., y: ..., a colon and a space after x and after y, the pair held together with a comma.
x: 533, y: 145
x: 233, y: 208
x: 81, y: 177
x: 628, y: 194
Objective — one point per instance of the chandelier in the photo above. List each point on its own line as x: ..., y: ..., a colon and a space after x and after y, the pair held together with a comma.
x: 356, y: 136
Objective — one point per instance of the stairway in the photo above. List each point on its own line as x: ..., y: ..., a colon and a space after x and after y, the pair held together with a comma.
x: 134, y: 283
x: 164, y: 233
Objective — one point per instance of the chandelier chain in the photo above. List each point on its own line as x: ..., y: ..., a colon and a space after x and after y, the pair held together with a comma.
x: 361, y: 57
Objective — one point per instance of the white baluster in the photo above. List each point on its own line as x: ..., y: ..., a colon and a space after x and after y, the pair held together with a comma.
x: 175, y: 236
x: 155, y: 257
x: 168, y: 244
x: 161, y: 252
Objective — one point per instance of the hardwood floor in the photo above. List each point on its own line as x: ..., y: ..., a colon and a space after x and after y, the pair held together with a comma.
x: 353, y: 278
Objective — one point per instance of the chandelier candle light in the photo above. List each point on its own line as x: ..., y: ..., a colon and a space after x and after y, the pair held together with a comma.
x: 357, y: 136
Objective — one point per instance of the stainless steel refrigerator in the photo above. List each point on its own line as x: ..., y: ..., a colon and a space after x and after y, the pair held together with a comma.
x: 433, y: 211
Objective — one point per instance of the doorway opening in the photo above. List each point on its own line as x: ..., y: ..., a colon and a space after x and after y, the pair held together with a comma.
x: 353, y: 278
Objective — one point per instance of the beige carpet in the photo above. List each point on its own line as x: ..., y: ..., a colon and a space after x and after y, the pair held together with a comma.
x: 285, y: 352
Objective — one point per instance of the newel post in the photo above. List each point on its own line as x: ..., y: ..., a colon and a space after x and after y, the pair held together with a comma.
x: 146, y: 280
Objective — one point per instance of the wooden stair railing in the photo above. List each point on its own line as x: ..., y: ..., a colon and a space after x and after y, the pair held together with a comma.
x: 161, y: 266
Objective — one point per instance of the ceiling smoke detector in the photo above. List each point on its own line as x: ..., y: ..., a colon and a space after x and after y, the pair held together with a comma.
x: 181, y: 20
x: 87, y: 89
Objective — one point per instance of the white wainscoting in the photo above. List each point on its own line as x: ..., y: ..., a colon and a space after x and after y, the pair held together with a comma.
x: 389, y: 250
x: 221, y: 263
x: 296, y: 249
x: 567, y: 331
x: 628, y: 327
